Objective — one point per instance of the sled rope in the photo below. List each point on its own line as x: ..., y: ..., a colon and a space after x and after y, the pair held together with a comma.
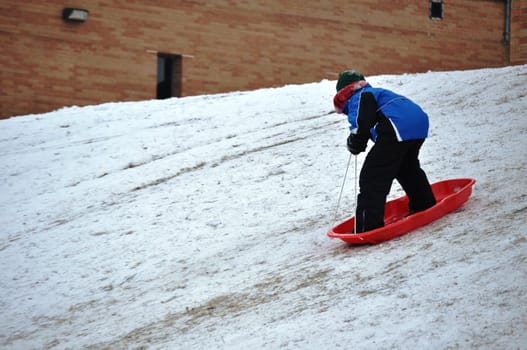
x: 356, y: 199
x: 342, y: 188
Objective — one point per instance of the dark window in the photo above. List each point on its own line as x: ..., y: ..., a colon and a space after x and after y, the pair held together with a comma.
x: 168, y: 76
x: 436, y: 9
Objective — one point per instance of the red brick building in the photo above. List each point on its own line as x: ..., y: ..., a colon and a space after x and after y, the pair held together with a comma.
x: 119, y: 50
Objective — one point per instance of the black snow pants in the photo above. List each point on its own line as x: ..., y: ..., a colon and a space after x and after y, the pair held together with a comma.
x: 385, y: 162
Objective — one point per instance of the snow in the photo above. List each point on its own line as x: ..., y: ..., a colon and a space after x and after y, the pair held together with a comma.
x: 199, y: 223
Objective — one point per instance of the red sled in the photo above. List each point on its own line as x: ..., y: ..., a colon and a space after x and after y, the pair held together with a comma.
x: 450, y: 195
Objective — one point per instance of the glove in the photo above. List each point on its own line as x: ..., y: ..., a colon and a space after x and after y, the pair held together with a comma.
x: 355, y: 144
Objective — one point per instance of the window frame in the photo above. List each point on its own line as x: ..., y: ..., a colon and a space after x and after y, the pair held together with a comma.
x: 436, y: 9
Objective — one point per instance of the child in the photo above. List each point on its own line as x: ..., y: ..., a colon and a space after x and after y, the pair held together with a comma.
x: 398, y: 127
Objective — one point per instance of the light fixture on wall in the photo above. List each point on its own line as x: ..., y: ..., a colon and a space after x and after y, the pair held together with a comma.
x: 75, y: 15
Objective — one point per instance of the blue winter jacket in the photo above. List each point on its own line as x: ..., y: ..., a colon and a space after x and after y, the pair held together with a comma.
x: 373, y: 117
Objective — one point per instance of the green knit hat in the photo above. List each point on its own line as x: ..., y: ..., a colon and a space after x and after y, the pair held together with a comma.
x: 347, y: 77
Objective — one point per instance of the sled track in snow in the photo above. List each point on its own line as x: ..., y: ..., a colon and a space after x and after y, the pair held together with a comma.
x: 277, y: 140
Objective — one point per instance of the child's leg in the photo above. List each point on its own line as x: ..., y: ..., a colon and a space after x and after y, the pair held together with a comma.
x: 413, y: 179
x: 377, y: 174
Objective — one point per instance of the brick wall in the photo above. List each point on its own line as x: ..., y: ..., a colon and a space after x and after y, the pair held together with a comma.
x: 233, y: 45
x: 518, y: 35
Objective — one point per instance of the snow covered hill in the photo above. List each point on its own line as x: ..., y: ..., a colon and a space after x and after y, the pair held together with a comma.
x: 199, y: 223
